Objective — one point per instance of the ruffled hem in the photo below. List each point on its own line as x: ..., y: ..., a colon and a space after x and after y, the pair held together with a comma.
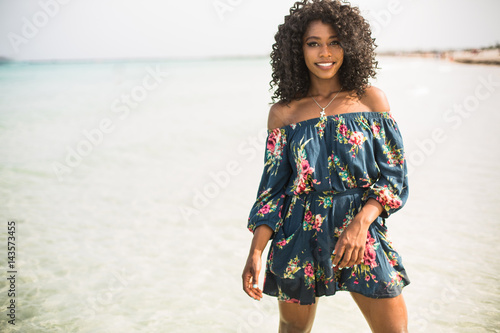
x: 299, y: 266
x: 297, y: 291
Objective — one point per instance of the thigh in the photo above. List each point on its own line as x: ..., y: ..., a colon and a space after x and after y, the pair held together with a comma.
x: 385, y: 315
x: 296, y: 318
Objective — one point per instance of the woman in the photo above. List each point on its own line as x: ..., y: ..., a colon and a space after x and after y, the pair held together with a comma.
x: 334, y: 171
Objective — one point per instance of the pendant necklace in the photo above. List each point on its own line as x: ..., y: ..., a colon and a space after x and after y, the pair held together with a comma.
x: 322, y: 113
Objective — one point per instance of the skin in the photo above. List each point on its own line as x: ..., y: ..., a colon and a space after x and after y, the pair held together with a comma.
x: 321, y: 46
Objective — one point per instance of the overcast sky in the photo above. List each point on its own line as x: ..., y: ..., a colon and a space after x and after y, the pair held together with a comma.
x: 105, y: 29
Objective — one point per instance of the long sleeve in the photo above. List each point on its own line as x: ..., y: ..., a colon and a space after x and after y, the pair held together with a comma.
x: 391, y: 187
x: 271, y: 193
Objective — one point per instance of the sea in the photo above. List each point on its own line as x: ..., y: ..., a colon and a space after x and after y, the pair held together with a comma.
x: 125, y: 189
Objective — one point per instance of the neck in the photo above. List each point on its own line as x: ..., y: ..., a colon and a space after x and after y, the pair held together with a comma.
x: 324, y: 88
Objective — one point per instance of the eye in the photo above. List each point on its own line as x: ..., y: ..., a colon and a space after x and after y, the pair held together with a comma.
x: 335, y: 42
x: 312, y: 44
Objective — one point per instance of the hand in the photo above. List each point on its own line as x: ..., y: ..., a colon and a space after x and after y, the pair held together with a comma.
x: 250, y: 276
x: 350, y: 247
x: 351, y: 244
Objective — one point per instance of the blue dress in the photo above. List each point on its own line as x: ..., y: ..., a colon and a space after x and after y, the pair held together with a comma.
x: 318, y: 173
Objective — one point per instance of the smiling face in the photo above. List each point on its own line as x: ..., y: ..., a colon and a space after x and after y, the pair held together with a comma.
x: 323, y: 53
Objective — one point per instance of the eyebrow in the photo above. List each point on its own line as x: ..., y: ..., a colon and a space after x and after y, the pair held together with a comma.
x: 314, y: 37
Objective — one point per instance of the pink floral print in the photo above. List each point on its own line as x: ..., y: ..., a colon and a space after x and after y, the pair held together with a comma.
x: 317, y: 176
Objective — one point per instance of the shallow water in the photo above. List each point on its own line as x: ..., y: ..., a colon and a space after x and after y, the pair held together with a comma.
x: 142, y: 228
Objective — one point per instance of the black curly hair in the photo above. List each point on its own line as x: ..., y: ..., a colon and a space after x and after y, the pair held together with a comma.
x: 290, y: 75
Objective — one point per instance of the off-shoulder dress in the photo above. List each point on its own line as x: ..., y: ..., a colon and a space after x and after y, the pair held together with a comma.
x: 318, y: 173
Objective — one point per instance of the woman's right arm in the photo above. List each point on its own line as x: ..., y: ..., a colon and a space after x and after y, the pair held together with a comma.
x: 250, y: 276
x: 265, y: 215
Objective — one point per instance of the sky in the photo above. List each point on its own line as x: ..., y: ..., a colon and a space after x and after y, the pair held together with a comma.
x: 184, y: 29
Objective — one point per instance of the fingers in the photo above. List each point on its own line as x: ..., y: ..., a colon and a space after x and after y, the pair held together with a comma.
x: 350, y: 247
x: 250, y: 286
x: 347, y: 255
x: 346, y: 259
x: 255, y: 286
x: 352, y: 257
x: 361, y: 255
x: 250, y: 277
x: 338, y: 253
x: 255, y: 281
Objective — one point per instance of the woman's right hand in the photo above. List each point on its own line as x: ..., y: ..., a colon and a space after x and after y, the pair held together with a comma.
x: 250, y: 276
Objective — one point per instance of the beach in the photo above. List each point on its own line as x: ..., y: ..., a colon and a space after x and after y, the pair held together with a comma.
x: 130, y: 184
x: 485, y: 56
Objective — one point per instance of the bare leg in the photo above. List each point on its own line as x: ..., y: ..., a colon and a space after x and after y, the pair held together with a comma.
x: 384, y: 315
x: 295, y: 318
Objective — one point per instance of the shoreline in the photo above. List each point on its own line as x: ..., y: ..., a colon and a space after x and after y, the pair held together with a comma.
x: 490, y: 56
x: 475, y: 56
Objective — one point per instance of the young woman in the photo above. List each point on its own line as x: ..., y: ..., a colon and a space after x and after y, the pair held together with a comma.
x: 334, y: 171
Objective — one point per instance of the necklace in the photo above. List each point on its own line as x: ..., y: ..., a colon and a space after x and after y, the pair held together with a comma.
x: 322, y: 113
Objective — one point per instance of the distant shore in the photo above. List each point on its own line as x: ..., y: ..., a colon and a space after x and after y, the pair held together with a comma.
x: 485, y: 56
x: 489, y: 56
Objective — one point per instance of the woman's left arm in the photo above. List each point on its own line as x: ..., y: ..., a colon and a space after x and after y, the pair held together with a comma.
x: 350, y: 247
x: 389, y: 192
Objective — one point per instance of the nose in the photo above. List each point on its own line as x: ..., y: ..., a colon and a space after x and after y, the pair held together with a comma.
x: 325, y: 51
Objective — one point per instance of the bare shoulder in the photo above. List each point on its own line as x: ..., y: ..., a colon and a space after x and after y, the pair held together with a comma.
x: 278, y: 115
x: 375, y: 99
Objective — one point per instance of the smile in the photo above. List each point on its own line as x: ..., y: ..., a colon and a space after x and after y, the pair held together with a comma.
x: 325, y: 65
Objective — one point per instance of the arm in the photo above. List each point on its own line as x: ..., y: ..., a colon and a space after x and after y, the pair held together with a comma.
x: 351, y: 244
x: 265, y: 215
x: 277, y: 170
x: 385, y: 196
x: 253, y: 265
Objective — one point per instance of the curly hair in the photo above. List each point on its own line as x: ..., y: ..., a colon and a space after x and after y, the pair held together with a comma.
x: 290, y: 75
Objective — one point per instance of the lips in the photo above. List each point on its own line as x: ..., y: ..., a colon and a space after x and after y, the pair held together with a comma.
x: 325, y: 65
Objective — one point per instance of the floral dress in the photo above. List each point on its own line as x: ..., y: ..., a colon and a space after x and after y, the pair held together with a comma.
x: 318, y: 174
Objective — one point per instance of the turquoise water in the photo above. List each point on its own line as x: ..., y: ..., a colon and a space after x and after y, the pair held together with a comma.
x: 130, y: 184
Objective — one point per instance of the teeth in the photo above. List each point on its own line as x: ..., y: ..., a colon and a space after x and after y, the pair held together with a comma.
x: 325, y: 64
